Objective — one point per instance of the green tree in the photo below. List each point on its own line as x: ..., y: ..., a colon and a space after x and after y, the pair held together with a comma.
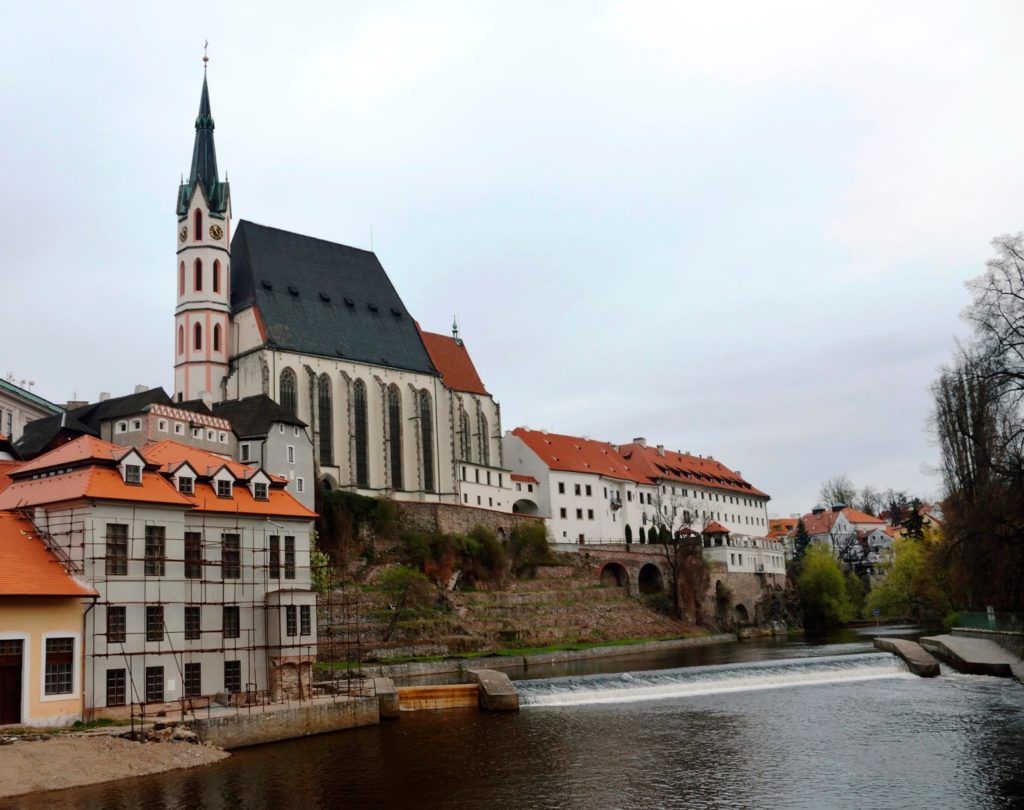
x: 528, y: 547
x: 801, y: 540
x: 914, y: 524
x: 912, y: 587
x: 823, y: 593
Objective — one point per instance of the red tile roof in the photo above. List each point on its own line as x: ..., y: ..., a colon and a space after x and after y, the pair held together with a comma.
x: 6, y: 467
x: 780, y: 527
x: 79, y: 451
x: 168, y: 454
x: 279, y: 503
x: 93, y: 483
x: 686, y: 469
x: 714, y: 527
x: 576, y: 454
x: 27, y: 567
x: 450, y: 357
x: 822, y: 522
x: 526, y: 479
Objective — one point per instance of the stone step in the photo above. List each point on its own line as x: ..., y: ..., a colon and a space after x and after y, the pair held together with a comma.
x: 919, y: 661
x: 975, y: 656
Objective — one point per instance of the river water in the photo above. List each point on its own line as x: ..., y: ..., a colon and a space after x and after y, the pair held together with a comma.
x: 758, y: 724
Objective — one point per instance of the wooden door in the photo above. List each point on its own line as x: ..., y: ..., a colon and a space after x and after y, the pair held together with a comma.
x: 10, y: 681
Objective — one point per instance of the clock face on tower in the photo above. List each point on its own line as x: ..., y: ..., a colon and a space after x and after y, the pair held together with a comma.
x: 183, y: 233
x: 216, y: 232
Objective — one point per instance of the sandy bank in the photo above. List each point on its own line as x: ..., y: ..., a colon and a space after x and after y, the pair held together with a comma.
x: 72, y: 761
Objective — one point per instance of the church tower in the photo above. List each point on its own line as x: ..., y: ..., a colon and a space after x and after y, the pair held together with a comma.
x: 202, y: 319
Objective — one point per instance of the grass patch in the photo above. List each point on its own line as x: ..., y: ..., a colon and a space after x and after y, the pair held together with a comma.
x: 78, y: 725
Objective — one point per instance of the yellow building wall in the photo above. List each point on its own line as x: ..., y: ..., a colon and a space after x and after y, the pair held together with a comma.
x: 31, y: 619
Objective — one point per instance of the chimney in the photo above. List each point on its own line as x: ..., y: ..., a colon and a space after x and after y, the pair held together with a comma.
x: 818, y: 509
x: 838, y: 507
x: 104, y: 396
x: 141, y: 389
x: 739, y: 474
x: 661, y: 449
x: 75, y: 403
x: 640, y: 440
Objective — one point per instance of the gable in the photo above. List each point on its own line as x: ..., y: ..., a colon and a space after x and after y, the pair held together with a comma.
x: 321, y: 298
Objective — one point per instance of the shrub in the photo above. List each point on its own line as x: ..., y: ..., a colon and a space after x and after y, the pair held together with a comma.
x: 823, y: 594
x: 529, y: 549
x: 485, y: 555
x: 405, y: 585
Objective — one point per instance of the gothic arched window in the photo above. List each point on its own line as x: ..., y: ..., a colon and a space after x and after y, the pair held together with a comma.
x: 197, y: 273
x: 197, y: 337
x: 464, y: 445
x: 288, y: 398
x: 181, y: 278
x: 216, y: 276
x: 216, y: 337
x: 395, y: 435
x: 360, y: 429
x: 323, y: 398
x: 197, y: 226
x: 427, y: 440
x: 181, y: 339
x: 485, y: 441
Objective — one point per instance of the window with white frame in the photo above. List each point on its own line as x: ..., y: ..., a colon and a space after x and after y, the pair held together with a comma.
x: 121, y: 427
x: 291, y: 454
x: 243, y: 451
x: 223, y: 488
x: 259, y: 491
x: 161, y: 425
x: 300, y: 485
x: 222, y: 437
x: 59, y: 666
x: 186, y: 484
x: 179, y: 428
x: 136, y: 424
x: 132, y: 474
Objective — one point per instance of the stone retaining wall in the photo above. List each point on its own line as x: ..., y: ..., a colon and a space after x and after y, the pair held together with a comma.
x: 455, y: 519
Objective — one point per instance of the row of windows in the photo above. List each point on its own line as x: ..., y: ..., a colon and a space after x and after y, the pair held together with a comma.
x: 197, y: 338
x: 197, y: 276
x: 393, y: 440
x: 487, y: 478
x: 117, y: 682
x: 58, y: 662
x: 298, y: 620
x: 116, y: 562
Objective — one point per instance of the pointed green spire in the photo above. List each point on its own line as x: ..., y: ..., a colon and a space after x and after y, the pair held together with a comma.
x: 204, y: 154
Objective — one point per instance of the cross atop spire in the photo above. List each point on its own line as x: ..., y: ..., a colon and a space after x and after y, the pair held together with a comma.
x: 206, y: 57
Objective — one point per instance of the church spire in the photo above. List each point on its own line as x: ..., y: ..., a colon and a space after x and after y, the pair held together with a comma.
x: 204, y: 154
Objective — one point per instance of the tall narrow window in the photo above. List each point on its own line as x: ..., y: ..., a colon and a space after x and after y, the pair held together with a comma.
x: 395, y: 436
x: 197, y: 337
x: 154, y: 684
x: 181, y: 340
x: 464, y: 446
x: 193, y: 555
x: 154, y: 622
x: 116, y: 624
x: 232, y: 676
x: 181, y: 278
x: 231, y: 557
x: 289, y: 400
x: 155, y: 551
x: 485, y: 441
x: 193, y: 622
x: 117, y: 549
x: 216, y: 276
x: 275, y: 557
x: 58, y: 679
x: 362, y: 440
x: 289, y: 558
x: 305, y: 620
x: 216, y: 337
x: 291, y: 621
x: 427, y: 440
x: 232, y: 625
x: 193, y: 680
x: 323, y: 396
x: 197, y: 275
x: 197, y: 226
x: 117, y: 687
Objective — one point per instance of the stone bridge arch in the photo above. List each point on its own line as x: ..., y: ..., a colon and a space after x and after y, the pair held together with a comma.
x: 643, y: 571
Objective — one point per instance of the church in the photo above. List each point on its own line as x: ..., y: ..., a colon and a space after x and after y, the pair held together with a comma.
x: 320, y: 329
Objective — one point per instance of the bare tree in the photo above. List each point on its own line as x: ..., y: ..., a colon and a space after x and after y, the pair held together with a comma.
x: 838, y: 489
x: 677, y: 527
x: 869, y: 500
x: 895, y: 503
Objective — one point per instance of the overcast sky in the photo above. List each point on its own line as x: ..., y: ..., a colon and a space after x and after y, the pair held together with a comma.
x: 741, y: 230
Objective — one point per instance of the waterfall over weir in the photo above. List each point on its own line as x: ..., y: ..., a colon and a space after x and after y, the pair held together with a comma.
x: 692, y: 681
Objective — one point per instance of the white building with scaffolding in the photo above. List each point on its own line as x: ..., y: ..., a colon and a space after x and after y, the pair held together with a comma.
x: 202, y: 569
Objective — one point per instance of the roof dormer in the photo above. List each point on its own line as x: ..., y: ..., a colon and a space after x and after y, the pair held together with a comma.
x: 131, y: 465
x: 259, y: 485
x: 223, y: 482
x: 185, y: 477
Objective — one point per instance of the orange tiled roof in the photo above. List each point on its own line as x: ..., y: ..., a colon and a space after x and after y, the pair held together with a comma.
x: 279, y: 503
x: 27, y: 567
x: 450, y: 357
x: 6, y: 466
x: 78, y: 451
x: 168, y: 454
x: 686, y: 469
x: 93, y: 483
x: 714, y: 527
x: 526, y: 479
x: 822, y: 522
x: 576, y: 454
x: 780, y: 527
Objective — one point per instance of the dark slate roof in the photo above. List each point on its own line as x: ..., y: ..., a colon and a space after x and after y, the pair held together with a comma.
x: 86, y: 419
x: 255, y: 415
x: 318, y: 297
x: 203, y: 172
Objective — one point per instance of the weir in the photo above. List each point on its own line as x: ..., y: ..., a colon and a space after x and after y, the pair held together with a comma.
x: 709, y: 680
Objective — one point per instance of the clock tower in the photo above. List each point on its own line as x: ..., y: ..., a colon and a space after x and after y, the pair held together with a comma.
x: 202, y: 317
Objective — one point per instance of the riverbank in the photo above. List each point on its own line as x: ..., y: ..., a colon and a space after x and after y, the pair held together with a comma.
x: 71, y: 760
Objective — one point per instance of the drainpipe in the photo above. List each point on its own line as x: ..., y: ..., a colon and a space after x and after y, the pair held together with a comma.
x: 85, y: 622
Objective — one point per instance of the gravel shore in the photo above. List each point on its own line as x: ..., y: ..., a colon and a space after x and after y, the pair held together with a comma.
x: 71, y: 761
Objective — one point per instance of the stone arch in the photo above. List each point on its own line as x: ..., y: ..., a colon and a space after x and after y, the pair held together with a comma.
x: 524, y: 506
x: 650, y: 579
x: 327, y: 483
x: 613, y: 573
x: 741, y: 613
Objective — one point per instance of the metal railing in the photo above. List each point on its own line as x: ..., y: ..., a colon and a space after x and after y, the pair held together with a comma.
x: 1010, y: 622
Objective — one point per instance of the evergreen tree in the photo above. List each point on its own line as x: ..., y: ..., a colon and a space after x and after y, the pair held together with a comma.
x: 800, y: 542
x: 914, y: 524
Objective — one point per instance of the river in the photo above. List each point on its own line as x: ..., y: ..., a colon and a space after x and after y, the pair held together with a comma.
x: 757, y: 724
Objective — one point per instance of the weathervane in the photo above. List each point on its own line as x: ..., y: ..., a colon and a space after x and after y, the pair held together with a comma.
x: 205, y: 57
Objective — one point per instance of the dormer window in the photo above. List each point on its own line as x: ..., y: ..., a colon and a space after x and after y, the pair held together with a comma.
x: 132, y: 474
x: 223, y: 488
x: 186, y: 485
x: 259, y: 491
